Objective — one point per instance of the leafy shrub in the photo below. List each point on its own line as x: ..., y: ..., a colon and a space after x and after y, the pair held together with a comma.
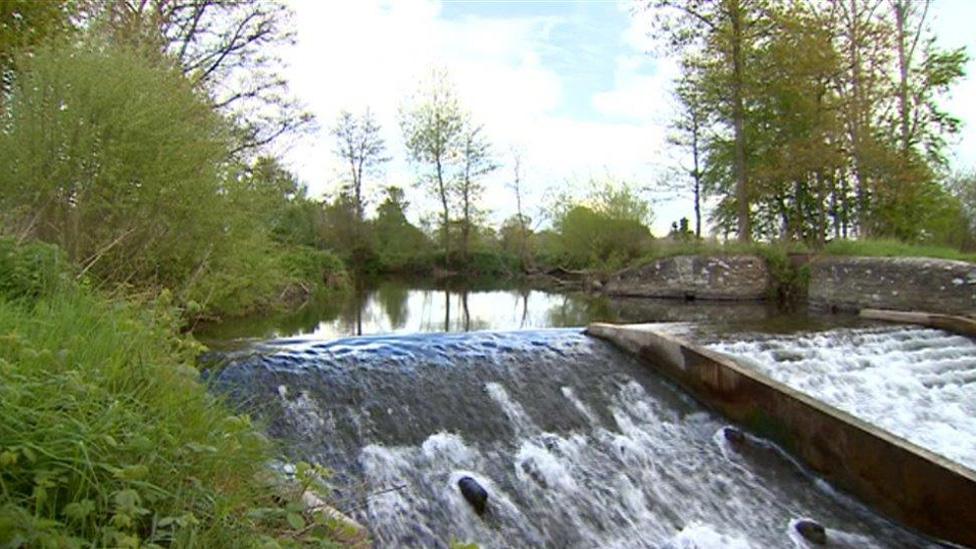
x: 115, y: 158
x: 31, y: 270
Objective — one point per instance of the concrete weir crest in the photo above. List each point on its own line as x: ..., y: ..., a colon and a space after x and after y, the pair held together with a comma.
x: 912, y: 485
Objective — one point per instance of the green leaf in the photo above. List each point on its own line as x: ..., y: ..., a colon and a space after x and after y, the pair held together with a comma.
x: 79, y: 509
x: 295, y: 521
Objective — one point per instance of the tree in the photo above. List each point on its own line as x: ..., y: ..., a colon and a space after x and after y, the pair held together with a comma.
x: 24, y: 24
x: 229, y: 49
x: 521, y: 222
x: 724, y: 35
x: 606, y: 229
x: 360, y: 145
x: 433, y: 126
x: 831, y: 110
x: 689, y: 127
x: 476, y: 162
x: 398, y: 241
x: 117, y: 161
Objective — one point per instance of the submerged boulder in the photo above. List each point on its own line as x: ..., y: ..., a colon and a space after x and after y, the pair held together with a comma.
x: 812, y: 531
x: 476, y: 495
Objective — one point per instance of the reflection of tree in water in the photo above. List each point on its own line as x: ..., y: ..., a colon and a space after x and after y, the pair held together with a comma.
x: 305, y: 320
x: 580, y: 310
x: 392, y: 296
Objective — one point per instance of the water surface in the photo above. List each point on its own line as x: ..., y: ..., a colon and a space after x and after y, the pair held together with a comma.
x: 578, y: 444
x: 401, y: 307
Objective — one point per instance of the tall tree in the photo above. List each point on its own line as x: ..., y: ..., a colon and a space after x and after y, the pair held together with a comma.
x: 228, y: 48
x: 690, y: 125
x: 360, y: 145
x: 433, y: 127
x: 520, y: 219
x: 724, y: 34
x: 476, y: 162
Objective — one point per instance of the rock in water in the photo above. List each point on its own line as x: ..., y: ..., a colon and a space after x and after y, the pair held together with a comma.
x: 733, y: 435
x: 812, y: 531
x: 476, y: 495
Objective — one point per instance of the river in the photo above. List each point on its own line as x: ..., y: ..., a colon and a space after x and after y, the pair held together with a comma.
x: 577, y: 443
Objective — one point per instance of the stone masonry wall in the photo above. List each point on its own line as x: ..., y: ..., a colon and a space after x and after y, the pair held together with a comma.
x: 741, y: 277
x: 900, y: 283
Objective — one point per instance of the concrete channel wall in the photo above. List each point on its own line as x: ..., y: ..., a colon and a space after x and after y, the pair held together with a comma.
x: 910, y: 484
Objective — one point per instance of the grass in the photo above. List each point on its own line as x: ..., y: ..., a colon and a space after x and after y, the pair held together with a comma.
x: 108, y: 437
x: 664, y: 248
x: 894, y: 248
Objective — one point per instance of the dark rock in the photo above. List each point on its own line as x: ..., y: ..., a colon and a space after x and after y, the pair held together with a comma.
x: 811, y: 531
x: 534, y: 473
x: 476, y: 495
x: 733, y: 435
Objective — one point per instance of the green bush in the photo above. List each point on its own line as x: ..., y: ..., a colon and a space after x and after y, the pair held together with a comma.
x: 109, y: 439
x: 114, y: 158
x: 320, y: 269
x: 589, y: 238
x: 30, y: 271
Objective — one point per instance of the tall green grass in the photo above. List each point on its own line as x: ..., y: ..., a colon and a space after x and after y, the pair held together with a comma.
x: 109, y: 439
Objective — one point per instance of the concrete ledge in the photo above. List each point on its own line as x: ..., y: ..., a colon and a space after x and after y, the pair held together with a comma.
x: 951, y: 323
x: 912, y: 485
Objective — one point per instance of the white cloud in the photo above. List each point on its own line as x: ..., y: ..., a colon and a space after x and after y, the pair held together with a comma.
x: 357, y: 54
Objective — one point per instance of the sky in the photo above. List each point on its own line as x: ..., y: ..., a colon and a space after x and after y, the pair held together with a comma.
x: 573, y: 86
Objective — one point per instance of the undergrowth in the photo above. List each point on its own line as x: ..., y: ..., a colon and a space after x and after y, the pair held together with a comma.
x: 109, y: 439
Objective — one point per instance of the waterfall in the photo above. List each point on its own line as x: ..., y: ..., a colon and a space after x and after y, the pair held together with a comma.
x: 577, y: 444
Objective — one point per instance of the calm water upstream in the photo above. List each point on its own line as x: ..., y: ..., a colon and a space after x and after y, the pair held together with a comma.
x: 403, y: 307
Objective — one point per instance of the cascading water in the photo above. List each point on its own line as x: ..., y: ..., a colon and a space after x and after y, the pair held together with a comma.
x: 917, y: 383
x: 577, y: 443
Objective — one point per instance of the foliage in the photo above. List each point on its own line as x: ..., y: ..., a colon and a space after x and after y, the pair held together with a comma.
x: 228, y: 50
x: 109, y: 438
x: 30, y: 271
x: 114, y: 160
x: 400, y: 245
x: 23, y: 25
x: 816, y: 122
x: 122, y: 165
x: 605, y: 229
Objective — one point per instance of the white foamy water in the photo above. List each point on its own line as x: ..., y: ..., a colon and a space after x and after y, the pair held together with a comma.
x: 917, y: 383
x: 577, y: 444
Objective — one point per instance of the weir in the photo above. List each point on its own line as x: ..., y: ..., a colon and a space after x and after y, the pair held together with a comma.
x: 577, y: 443
x: 915, y: 486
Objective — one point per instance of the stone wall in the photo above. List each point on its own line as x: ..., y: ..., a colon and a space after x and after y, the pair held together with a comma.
x: 900, y: 283
x: 740, y: 277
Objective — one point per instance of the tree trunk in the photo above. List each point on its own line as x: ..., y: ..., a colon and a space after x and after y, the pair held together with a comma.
x: 901, y: 16
x: 696, y: 175
x: 738, y: 120
x: 445, y: 212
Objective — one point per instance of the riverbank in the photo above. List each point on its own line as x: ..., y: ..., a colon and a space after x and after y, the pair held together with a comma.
x: 108, y: 436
